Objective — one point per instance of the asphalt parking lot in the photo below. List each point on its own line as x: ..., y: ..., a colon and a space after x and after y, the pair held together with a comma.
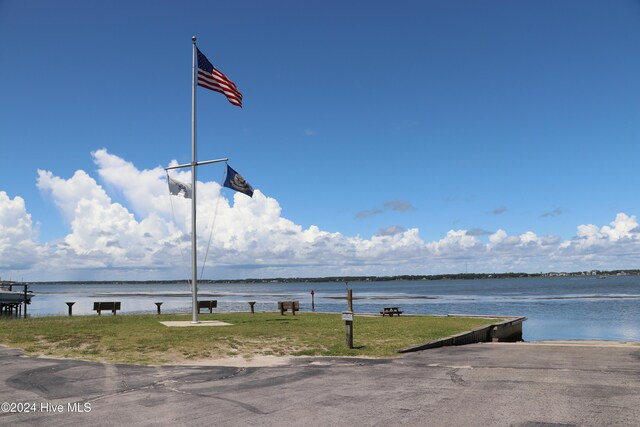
x: 517, y: 384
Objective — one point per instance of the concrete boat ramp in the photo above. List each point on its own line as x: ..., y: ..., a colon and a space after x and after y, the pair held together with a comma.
x: 485, y: 384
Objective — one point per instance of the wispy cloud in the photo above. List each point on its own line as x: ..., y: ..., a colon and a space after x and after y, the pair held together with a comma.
x: 475, y: 231
x: 367, y: 213
x: 399, y: 206
x: 555, y: 212
x: 392, y: 230
x: 391, y: 205
x: 499, y: 211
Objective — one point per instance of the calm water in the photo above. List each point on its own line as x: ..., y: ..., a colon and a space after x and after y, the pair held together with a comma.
x: 557, y: 308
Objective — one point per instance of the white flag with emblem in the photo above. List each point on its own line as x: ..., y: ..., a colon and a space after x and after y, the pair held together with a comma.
x: 178, y: 188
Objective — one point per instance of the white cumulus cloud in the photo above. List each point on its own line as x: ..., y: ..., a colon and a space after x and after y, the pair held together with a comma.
x: 146, y: 235
x: 18, y: 247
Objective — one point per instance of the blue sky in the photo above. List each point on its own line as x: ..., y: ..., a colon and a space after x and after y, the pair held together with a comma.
x: 424, y: 132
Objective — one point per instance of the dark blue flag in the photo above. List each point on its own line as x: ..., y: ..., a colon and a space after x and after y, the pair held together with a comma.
x: 235, y: 181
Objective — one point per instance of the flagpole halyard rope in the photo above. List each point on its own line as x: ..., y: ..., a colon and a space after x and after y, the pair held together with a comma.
x: 175, y: 223
x: 213, y: 220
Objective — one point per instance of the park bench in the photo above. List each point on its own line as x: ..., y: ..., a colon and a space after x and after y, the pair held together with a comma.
x: 112, y: 306
x: 211, y: 304
x: 288, y: 305
x: 391, y: 311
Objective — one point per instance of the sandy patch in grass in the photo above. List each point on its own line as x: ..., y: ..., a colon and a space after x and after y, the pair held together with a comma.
x: 257, y: 361
x: 184, y: 324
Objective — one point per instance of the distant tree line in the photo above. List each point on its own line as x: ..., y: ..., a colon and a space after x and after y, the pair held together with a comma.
x: 459, y: 276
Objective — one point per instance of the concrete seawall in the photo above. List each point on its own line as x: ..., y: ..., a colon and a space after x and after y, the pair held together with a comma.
x: 509, y: 330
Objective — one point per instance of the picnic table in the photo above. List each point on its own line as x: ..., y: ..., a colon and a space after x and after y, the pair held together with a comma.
x: 391, y: 311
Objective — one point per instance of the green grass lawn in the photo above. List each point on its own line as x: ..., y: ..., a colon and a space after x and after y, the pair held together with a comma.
x: 142, y: 339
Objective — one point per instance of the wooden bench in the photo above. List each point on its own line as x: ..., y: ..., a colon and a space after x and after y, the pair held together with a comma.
x: 211, y: 304
x: 288, y: 305
x: 112, y: 306
x: 391, y: 311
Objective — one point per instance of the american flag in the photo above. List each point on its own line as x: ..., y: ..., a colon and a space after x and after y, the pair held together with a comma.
x: 209, y: 77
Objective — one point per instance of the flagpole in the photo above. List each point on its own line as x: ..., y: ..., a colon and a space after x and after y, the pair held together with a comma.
x: 194, y: 262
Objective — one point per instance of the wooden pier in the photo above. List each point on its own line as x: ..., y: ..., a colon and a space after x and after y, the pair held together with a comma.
x: 14, y: 302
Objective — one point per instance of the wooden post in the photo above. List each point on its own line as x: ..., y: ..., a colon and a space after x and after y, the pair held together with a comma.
x: 313, y: 303
x: 350, y: 299
x: 347, y: 316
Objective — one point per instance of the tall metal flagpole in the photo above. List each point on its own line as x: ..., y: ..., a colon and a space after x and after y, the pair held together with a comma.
x: 194, y: 262
x: 194, y: 164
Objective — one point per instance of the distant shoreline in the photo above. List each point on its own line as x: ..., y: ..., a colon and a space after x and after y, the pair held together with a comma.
x: 460, y: 276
